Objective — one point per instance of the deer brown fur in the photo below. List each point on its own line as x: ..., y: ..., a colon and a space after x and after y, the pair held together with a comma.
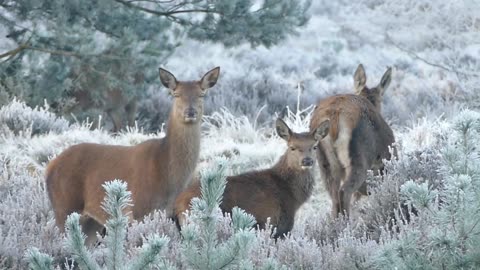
x: 358, y: 140
x: 155, y: 170
x: 277, y: 192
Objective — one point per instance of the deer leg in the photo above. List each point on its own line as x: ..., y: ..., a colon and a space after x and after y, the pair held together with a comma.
x: 284, y: 226
x: 354, y: 180
x: 333, y: 190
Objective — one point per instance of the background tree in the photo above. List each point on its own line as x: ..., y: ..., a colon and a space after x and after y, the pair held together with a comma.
x: 90, y: 56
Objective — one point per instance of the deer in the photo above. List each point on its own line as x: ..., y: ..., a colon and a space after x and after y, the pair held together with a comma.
x: 275, y: 193
x: 358, y: 140
x: 155, y: 171
x: 375, y: 96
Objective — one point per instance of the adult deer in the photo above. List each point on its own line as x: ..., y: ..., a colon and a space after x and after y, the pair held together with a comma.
x: 155, y: 170
x: 277, y: 192
x: 358, y: 140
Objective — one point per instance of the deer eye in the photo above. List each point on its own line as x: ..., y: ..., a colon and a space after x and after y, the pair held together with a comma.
x: 315, y: 147
x: 292, y: 148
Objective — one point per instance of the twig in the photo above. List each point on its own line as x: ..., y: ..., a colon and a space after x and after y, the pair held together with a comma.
x: 418, y: 57
x: 168, y: 13
x: 25, y: 46
x: 14, y: 51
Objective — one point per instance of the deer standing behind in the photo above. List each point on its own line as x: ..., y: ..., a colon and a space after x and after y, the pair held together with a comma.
x: 155, y: 170
x: 358, y: 140
x: 277, y: 192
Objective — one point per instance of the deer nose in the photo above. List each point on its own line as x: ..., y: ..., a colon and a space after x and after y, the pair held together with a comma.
x: 307, y: 162
x: 190, y: 113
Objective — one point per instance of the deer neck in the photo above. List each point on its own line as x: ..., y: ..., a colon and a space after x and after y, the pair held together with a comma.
x: 183, y: 148
x: 300, y: 181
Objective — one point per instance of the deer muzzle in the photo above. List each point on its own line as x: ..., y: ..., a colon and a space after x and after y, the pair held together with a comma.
x: 191, y: 115
x: 307, y: 163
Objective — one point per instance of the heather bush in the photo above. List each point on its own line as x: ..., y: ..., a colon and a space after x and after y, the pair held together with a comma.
x: 18, y: 118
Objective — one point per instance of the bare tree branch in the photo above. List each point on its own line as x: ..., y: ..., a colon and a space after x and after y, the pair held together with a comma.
x: 163, y: 13
x: 428, y: 62
x: 25, y: 46
x: 13, y: 52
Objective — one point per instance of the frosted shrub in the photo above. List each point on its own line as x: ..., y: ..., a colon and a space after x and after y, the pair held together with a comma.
x: 26, y: 218
x: 445, y: 231
x: 17, y: 117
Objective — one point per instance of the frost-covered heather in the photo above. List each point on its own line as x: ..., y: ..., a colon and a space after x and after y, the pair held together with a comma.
x: 437, y: 158
x: 17, y: 117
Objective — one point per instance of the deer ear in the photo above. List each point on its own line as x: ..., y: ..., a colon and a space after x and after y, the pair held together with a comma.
x: 385, y: 81
x: 210, y: 78
x: 167, y: 79
x: 283, y: 130
x: 322, y: 130
x: 359, y: 79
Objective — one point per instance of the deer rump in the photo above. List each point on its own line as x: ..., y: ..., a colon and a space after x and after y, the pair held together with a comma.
x: 358, y: 140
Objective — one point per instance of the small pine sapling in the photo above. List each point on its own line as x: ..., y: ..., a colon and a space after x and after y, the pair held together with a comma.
x: 201, y: 246
x: 116, y: 201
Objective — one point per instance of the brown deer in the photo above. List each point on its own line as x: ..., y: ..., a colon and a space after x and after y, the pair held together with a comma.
x: 358, y: 140
x: 155, y: 170
x: 277, y: 192
x: 375, y: 96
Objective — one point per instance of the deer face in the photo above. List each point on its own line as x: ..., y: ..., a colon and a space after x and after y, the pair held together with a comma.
x: 189, y: 95
x: 301, y: 146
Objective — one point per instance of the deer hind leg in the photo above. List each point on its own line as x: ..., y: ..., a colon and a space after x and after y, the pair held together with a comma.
x: 353, y: 182
x: 329, y: 171
x: 333, y: 190
x: 362, y: 191
x: 342, y: 149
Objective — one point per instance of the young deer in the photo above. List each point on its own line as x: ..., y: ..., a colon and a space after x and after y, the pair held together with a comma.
x: 155, y: 170
x: 277, y: 192
x: 358, y: 140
